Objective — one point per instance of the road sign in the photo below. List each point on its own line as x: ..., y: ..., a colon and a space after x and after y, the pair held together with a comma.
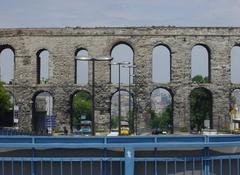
x: 50, y: 121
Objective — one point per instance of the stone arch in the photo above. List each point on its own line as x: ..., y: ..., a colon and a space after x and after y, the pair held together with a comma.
x: 43, y: 63
x: 163, y: 109
x: 121, y: 52
x: 235, y: 62
x: 77, y: 112
x: 201, y: 62
x: 81, y: 67
x: 161, y: 54
x: 40, y: 110
x: 126, y: 42
x: 7, y: 64
x: 127, y: 113
x: 201, y: 103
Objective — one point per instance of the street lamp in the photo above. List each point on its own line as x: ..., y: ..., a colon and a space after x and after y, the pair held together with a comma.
x: 119, y: 92
x: 15, y: 107
x: 129, y: 89
x: 93, y: 59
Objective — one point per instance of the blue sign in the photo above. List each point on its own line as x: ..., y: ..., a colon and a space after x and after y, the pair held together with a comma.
x: 50, y: 121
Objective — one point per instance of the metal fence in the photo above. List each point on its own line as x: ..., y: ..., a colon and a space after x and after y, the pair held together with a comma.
x: 163, y: 155
x: 8, y: 131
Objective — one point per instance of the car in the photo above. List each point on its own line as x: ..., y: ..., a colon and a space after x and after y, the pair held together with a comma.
x: 156, y: 131
x: 86, y: 127
x: 114, y: 132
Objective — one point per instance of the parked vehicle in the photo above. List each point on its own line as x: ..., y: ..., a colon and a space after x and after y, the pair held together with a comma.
x: 124, y: 128
x: 85, y: 127
x: 114, y: 132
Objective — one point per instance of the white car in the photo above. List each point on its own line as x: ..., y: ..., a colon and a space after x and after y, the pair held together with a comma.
x: 113, y: 133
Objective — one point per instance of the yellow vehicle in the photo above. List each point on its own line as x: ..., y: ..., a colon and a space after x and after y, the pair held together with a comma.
x: 124, y: 129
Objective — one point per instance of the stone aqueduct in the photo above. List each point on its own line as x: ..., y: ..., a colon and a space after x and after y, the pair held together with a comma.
x: 62, y: 44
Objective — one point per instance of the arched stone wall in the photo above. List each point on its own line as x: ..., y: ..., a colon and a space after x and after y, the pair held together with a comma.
x: 63, y: 42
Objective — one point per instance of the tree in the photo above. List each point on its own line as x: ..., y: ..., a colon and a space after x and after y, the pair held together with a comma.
x: 114, y: 122
x: 131, y: 121
x: 82, y: 106
x: 5, y: 103
x: 200, y: 79
x: 161, y: 120
x: 200, y: 105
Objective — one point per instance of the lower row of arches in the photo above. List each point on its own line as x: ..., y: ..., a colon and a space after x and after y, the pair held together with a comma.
x: 123, y: 109
x: 161, y: 110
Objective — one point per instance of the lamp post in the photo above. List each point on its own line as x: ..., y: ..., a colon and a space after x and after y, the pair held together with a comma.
x: 93, y: 59
x: 119, y: 64
x: 129, y: 90
x: 15, y: 108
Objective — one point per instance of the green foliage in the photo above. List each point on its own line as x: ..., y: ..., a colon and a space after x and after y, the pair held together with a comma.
x: 155, y: 119
x: 129, y: 118
x: 82, y: 105
x: 183, y: 129
x: 131, y: 121
x: 200, y: 79
x: 200, y: 106
x: 161, y: 120
x: 224, y: 130
x: 5, y: 103
x: 114, y: 122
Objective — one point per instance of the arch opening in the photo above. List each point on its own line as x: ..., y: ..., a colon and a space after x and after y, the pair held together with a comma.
x: 7, y: 106
x: 200, y: 109
x: 7, y: 64
x: 235, y: 110
x: 81, y: 113
x: 161, y: 64
x: 122, y: 112
x: 121, y: 53
x: 81, y: 68
x: 200, y: 64
x: 235, y: 62
x: 43, y: 120
x: 42, y: 66
x: 161, y: 111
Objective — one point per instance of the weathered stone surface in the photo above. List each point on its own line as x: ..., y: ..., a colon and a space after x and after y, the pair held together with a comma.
x: 63, y: 42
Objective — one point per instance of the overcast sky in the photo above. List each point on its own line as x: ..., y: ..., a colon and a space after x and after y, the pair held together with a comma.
x: 91, y: 13
x: 61, y: 13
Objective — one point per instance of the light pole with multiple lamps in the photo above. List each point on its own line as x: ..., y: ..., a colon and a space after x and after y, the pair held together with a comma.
x: 119, y: 64
x: 129, y: 92
x: 93, y: 59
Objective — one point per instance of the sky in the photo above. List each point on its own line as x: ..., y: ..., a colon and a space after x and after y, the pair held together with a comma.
x: 91, y: 13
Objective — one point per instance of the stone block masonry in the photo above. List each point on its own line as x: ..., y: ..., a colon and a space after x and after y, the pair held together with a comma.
x: 63, y: 42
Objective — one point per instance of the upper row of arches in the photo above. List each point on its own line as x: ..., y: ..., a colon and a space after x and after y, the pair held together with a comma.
x: 161, y: 64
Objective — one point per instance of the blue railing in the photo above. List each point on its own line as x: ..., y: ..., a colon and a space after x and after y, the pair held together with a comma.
x: 4, y: 131
x: 138, y: 155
